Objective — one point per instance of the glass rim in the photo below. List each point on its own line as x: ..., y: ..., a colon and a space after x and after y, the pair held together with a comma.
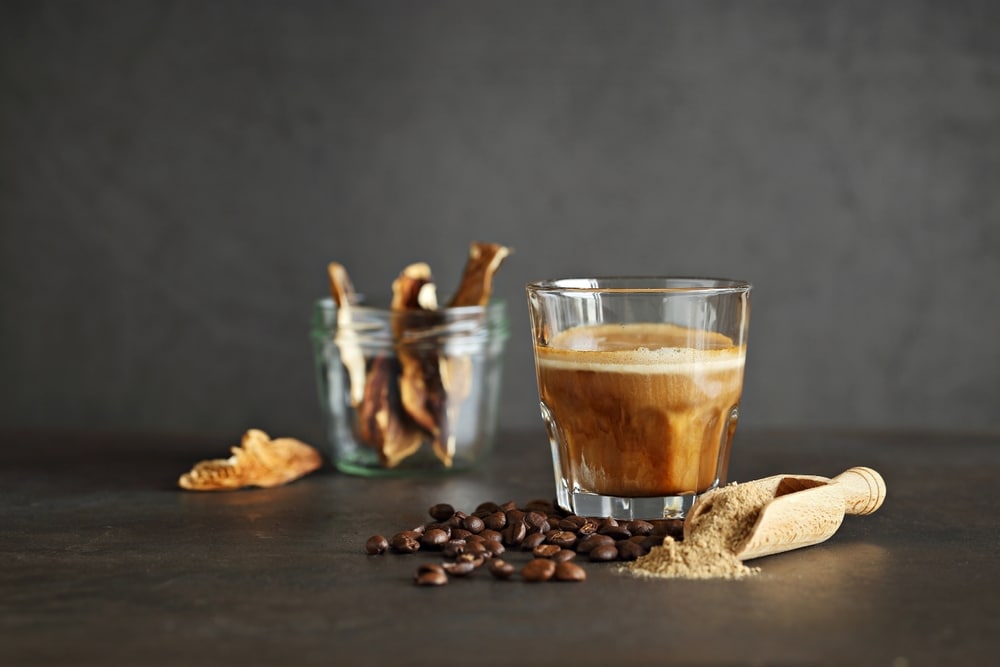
x: 328, y: 303
x: 640, y: 285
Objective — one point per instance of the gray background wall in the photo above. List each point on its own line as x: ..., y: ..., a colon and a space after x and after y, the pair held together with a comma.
x: 174, y: 177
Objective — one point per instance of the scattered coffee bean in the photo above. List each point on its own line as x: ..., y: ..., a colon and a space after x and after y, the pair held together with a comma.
x: 495, y: 521
x: 613, y: 529
x: 628, y: 550
x: 473, y: 524
x: 536, y: 522
x: 475, y: 559
x: 539, y: 569
x: 441, y: 512
x: 376, y: 544
x: 491, y: 535
x: 591, y: 541
x: 604, y: 552
x: 563, y: 555
x: 477, y: 548
x: 406, y: 542
x: 561, y: 538
x: 639, y: 527
x: 554, y: 538
x: 572, y: 523
x: 433, y: 538
x: 545, y: 550
x: 453, y: 548
x: 488, y: 508
x: 514, y: 533
x: 539, y: 505
x: 531, y: 541
x: 460, y: 568
x: 501, y: 569
x: 494, y: 548
x: 430, y: 574
x: 459, y: 533
x: 569, y: 571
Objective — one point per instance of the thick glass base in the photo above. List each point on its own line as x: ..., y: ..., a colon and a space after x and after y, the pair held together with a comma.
x: 595, y: 505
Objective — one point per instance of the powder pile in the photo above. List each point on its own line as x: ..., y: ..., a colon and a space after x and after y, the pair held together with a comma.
x: 709, y: 551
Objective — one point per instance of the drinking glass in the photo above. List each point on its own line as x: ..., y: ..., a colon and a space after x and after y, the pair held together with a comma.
x: 639, y: 381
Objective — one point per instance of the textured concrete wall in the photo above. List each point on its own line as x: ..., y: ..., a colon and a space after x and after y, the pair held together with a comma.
x: 174, y: 177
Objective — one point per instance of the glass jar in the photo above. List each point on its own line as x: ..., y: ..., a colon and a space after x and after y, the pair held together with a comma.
x: 409, y: 391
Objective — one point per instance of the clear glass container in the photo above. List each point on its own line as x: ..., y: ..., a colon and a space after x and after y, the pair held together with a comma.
x: 409, y: 391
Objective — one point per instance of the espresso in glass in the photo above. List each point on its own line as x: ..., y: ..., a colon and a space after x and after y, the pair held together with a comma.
x: 640, y: 414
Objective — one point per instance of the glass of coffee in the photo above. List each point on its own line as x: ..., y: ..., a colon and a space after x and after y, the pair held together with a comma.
x: 640, y: 382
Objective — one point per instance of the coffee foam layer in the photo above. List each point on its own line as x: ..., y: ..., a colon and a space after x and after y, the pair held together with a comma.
x: 641, y: 348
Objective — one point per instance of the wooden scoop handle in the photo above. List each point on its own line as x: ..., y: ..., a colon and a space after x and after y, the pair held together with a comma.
x: 863, y: 489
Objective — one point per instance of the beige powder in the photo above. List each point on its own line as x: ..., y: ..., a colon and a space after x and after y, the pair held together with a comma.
x: 708, y: 552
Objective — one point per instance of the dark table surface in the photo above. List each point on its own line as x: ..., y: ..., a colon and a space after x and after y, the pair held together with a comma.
x: 103, y: 561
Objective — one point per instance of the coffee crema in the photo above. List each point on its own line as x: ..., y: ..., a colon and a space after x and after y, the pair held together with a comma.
x: 641, y: 409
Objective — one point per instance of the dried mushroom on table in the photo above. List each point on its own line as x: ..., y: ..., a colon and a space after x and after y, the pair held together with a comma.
x: 257, y: 461
x: 411, y: 395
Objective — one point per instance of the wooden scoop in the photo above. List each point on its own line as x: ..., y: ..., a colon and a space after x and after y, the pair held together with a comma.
x: 804, y: 509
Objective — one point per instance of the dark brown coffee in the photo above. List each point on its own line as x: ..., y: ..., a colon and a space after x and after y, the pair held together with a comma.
x: 641, y: 410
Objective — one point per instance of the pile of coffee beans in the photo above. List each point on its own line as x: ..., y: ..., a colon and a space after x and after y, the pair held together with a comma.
x: 553, y: 538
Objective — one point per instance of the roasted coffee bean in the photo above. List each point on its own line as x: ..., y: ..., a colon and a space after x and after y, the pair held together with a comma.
x: 473, y: 524
x: 604, y: 552
x: 433, y: 538
x: 453, y: 548
x: 508, y: 506
x: 488, y: 507
x: 531, y: 541
x: 501, y: 569
x: 494, y: 547
x: 535, y: 522
x: 459, y: 533
x: 491, y: 535
x: 540, y: 505
x: 614, y: 530
x: 514, y: 534
x: 571, y: 523
x: 568, y: 571
x: 474, y: 538
x: 672, y: 527
x: 376, y: 544
x: 495, y: 521
x: 539, y: 569
x: 588, y: 543
x: 475, y: 559
x: 477, y: 548
x: 589, y: 527
x: 459, y: 568
x: 640, y: 527
x: 514, y: 516
x: 439, y: 526
x: 545, y: 551
x: 628, y: 550
x: 441, y: 511
x: 564, y: 555
x: 406, y: 542
x: 430, y: 574
x: 561, y: 538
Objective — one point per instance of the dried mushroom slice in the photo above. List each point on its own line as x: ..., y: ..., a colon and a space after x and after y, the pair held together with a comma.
x: 420, y: 386
x: 346, y: 339
x: 383, y: 423
x: 258, y: 461
x: 477, y: 279
x: 456, y: 371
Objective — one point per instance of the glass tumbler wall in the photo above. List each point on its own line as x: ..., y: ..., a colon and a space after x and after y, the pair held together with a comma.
x: 412, y: 390
x: 639, y: 381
